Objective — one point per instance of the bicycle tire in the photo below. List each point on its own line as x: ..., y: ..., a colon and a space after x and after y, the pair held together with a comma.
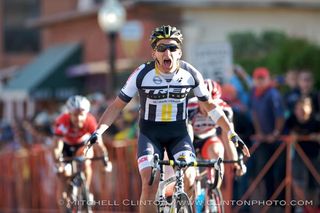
x: 182, y: 204
x: 214, y: 202
x: 68, y: 203
x: 83, y: 194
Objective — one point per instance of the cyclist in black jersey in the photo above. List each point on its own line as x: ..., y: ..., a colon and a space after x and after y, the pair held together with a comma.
x: 163, y: 86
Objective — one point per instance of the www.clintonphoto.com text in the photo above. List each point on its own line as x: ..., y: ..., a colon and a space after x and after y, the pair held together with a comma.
x: 234, y: 203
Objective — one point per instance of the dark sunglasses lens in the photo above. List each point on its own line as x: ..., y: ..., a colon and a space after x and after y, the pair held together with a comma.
x: 173, y: 48
x: 163, y: 48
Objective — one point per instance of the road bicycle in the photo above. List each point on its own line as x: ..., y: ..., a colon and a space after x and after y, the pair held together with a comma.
x: 208, y: 195
x: 76, y: 197
x: 179, y: 201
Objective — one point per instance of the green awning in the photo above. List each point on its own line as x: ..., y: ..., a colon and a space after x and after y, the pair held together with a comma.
x: 45, y: 77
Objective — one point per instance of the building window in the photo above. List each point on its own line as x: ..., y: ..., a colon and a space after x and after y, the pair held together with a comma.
x: 17, y: 37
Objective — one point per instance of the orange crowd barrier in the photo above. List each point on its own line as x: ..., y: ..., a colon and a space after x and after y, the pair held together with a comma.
x: 287, y: 184
x: 28, y: 182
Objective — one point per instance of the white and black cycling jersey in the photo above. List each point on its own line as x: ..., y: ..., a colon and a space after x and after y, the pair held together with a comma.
x: 164, y: 100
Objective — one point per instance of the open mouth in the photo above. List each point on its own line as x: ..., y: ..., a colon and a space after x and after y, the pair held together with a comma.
x: 167, y: 63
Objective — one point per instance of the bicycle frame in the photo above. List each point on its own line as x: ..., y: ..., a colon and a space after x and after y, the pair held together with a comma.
x: 180, y: 199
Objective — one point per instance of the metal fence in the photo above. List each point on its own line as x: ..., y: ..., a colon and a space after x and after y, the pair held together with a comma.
x: 28, y: 182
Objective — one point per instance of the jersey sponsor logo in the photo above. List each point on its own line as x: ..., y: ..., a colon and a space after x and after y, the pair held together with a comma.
x: 175, y: 93
x: 182, y: 156
x: 62, y: 129
x: 187, y: 155
x: 157, y: 80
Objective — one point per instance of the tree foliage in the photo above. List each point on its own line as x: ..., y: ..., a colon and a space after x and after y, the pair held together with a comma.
x: 276, y: 51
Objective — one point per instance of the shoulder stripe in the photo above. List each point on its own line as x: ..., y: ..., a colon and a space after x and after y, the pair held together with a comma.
x: 193, y: 71
x: 148, y: 67
x: 124, y: 97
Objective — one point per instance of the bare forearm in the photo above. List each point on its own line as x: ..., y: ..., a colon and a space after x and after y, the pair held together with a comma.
x: 231, y: 151
x: 58, y: 147
x: 110, y: 114
x: 103, y: 148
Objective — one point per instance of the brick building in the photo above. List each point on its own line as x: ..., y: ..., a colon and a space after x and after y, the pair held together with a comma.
x: 32, y: 27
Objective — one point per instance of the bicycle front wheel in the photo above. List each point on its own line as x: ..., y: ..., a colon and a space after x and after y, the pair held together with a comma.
x: 181, y: 204
x: 214, y: 201
x: 84, y: 203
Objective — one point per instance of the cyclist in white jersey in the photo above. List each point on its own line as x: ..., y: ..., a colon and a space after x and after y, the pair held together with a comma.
x: 163, y: 86
x: 209, y: 142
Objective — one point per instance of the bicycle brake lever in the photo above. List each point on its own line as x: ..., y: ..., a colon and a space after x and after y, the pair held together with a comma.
x: 243, y: 147
x: 86, y: 148
x: 217, y: 164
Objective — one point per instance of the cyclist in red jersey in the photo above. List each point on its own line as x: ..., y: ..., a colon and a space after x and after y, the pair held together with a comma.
x: 209, y: 140
x: 72, y: 129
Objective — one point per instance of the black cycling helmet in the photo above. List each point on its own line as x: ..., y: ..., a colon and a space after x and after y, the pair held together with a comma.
x: 165, y: 32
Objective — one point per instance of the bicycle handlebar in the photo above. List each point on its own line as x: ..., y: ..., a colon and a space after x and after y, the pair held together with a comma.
x: 239, y: 161
x: 232, y: 161
x: 80, y: 159
x: 183, y: 164
x: 216, y: 164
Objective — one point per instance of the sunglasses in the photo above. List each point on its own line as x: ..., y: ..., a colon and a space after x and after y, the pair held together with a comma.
x: 163, y: 47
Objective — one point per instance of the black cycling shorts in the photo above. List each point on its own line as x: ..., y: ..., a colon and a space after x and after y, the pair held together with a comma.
x: 156, y: 137
x: 70, y: 150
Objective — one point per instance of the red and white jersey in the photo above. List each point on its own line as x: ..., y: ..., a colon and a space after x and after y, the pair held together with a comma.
x: 203, y: 126
x: 72, y: 136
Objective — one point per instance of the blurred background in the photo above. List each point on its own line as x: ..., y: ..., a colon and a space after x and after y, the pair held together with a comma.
x: 50, y: 50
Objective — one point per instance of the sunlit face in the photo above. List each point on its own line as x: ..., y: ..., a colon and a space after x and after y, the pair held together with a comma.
x: 78, y: 118
x: 303, y: 110
x: 167, y: 54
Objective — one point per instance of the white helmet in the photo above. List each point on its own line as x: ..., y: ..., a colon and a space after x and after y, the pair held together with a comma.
x: 78, y: 102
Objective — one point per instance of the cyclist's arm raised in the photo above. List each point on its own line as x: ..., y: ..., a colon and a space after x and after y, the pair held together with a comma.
x: 113, y: 111
x: 108, y: 117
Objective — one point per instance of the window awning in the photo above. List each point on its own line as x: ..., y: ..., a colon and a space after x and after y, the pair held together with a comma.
x: 102, y: 67
x: 45, y: 77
